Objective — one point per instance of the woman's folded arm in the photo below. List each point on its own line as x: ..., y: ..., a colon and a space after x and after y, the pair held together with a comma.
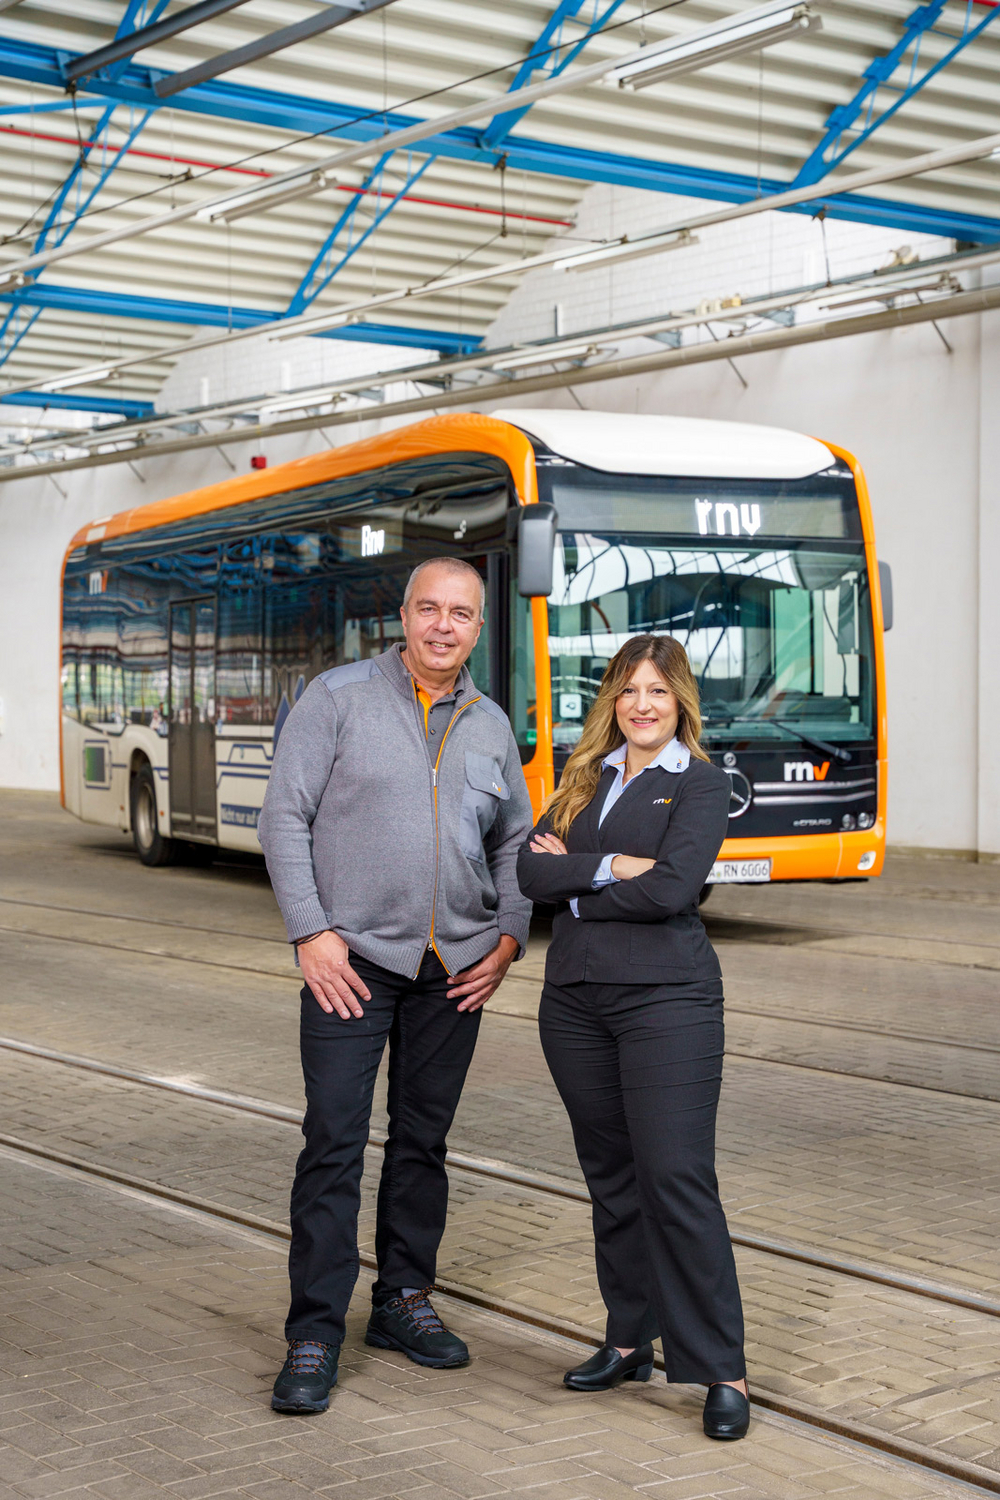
x: 554, y: 877
x: 690, y: 847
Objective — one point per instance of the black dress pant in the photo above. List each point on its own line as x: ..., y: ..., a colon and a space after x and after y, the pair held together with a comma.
x: 639, y: 1074
x: 430, y: 1048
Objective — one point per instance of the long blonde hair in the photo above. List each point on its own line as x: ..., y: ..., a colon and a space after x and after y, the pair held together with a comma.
x: 601, y: 733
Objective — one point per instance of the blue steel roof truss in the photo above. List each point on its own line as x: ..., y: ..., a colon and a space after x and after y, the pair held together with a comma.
x: 843, y: 134
x: 324, y: 267
x: 548, y: 43
x: 126, y: 82
x: 295, y: 113
x: 60, y: 220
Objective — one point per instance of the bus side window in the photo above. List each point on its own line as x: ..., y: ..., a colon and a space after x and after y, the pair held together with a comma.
x: 239, y: 654
x: 523, y: 717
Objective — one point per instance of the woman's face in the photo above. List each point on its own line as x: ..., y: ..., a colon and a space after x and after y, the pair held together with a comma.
x: 647, y: 710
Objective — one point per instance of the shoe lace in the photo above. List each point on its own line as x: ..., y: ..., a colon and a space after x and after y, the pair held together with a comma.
x: 419, y: 1311
x: 306, y: 1357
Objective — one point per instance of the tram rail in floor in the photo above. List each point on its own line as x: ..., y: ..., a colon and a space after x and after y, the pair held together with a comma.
x: 507, y: 1172
x: 979, y: 1479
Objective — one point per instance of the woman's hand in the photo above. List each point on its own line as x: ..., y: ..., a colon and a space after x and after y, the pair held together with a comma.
x: 548, y: 843
x: 628, y: 866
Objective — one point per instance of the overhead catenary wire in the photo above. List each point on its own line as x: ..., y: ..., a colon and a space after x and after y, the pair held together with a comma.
x: 757, y: 342
x: 364, y: 117
x: 394, y: 140
x: 871, y: 285
x: 346, y: 313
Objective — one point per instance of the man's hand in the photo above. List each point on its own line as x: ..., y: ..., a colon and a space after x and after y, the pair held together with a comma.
x: 324, y: 965
x: 473, y: 987
x: 628, y: 866
x: 548, y: 843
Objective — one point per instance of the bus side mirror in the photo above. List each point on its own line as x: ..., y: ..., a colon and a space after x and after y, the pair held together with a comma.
x: 885, y: 588
x: 536, y: 546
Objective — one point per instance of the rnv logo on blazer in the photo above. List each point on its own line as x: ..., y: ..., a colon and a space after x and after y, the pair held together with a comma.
x: 662, y: 801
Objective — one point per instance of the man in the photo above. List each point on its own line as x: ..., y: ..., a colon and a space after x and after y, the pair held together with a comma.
x: 391, y: 825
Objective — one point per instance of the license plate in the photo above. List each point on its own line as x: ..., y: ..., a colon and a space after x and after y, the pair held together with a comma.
x: 736, y: 871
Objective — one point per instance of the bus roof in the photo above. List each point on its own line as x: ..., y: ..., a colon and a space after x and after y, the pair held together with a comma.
x: 455, y: 432
x: 613, y: 442
x: 622, y: 443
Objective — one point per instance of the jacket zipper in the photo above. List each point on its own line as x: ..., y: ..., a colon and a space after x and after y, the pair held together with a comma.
x: 437, y: 838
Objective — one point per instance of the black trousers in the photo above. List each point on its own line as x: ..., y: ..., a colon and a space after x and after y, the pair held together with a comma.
x: 430, y: 1048
x: 639, y: 1074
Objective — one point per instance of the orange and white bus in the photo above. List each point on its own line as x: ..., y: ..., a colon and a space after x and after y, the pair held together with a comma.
x: 192, y: 625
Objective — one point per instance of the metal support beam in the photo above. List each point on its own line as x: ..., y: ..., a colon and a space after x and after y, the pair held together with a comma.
x: 501, y: 125
x: 124, y: 406
x: 36, y: 64
x: 986, y: 299
x: 266, y: 46
x: 842, y: 133
x: 147, y: 36
x: 212, y: 315
x: 324, y: 269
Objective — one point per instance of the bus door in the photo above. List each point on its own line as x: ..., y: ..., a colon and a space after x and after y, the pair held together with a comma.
x: 192, y: 719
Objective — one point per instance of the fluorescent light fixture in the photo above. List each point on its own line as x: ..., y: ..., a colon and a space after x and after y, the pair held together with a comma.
x: 258, y: 201
x: 520, y: 357
x: 626, y: 249
x: 747, y: 31
x: 78, y: 377
x: 890, y: 293
x: 299, y: 401
x: 274, y: 332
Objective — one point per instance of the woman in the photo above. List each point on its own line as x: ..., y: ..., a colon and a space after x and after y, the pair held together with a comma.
x: 631, y: 1023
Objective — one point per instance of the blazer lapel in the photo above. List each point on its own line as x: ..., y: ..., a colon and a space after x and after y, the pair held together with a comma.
x: 591, y: 827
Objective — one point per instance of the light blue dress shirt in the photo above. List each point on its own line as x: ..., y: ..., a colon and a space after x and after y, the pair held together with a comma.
x: 673, y: 757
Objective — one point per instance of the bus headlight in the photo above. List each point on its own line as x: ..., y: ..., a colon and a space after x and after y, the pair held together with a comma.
x: 867, y: 860
x: 865, y: 820
x: 848, y: 822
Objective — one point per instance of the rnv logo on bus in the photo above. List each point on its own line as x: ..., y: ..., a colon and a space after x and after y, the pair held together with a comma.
x: 804, y: 770
x: 742, y: 521
x: 372, y: 542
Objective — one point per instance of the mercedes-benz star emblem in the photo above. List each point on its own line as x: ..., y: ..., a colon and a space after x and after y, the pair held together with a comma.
x: 740, y: 795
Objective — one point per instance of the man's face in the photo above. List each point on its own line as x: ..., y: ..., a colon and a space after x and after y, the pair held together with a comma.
x: 441, y: 623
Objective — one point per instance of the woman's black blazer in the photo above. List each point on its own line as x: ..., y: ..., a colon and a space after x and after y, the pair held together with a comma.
x: 647, y: 930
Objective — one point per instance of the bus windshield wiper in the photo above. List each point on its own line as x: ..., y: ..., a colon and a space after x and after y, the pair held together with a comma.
x: 835, y: 751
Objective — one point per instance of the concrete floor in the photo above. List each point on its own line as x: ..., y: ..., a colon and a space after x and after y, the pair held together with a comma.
x: 859, y: 1138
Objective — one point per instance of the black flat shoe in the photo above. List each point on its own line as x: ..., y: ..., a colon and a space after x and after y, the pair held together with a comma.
x: 727, y: 1413
x: 608, y: 1368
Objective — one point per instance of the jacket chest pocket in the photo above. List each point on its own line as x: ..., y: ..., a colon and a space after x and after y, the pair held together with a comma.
x: 485, y: 790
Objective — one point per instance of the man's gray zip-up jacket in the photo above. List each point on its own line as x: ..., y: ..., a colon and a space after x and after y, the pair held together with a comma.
x: 365, y: 834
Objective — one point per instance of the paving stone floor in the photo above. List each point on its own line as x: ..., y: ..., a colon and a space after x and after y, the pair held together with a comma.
x: 860, y: 1118
x: 137, y: 1346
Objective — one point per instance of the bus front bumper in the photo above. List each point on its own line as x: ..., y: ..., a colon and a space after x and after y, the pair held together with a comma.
x: 815, y: 856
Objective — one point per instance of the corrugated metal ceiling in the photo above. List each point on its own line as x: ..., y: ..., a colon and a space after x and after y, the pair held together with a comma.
x: 759, y: 116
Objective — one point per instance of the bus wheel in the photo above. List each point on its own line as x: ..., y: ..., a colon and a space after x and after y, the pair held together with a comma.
x: 704, y: 894
x: 150, y: 845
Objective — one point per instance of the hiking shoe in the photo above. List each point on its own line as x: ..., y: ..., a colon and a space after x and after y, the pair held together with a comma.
x: 306, y: 1377
x: 408, y: 1322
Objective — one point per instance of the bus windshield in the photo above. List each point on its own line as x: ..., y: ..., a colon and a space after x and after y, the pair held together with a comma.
x: 778, y: 630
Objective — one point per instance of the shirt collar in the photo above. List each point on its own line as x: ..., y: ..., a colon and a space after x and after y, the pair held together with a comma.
x: 673, y: 757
